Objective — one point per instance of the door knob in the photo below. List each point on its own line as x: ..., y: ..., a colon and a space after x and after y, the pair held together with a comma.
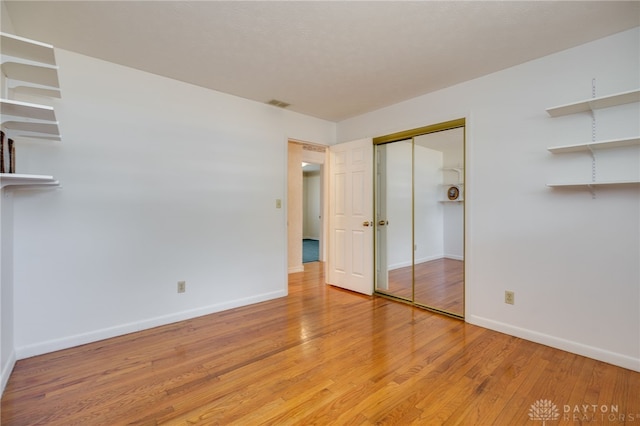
x: 365, y: 223
x: 383, y: 223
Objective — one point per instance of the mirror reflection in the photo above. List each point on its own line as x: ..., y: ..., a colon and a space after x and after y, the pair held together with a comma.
x: 420, y: 220
x: 394, y: 217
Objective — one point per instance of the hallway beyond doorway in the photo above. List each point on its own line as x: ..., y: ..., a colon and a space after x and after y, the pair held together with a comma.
x: 310, y: 250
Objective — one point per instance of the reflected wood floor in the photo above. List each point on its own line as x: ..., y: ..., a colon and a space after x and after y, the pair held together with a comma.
x: 439, y: 284
x: 319, y: 356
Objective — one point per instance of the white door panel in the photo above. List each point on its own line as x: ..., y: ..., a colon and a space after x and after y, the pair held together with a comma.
x: 350, y: 216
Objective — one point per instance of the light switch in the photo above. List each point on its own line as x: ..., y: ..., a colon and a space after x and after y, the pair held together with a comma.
x: 278, y: 203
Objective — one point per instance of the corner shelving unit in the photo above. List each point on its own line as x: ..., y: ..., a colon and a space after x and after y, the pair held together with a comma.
x: 28, y: 67
x: 591, y: 105
x: 459, y: 184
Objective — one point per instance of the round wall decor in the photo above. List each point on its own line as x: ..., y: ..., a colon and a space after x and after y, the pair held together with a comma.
x: 453, y: 193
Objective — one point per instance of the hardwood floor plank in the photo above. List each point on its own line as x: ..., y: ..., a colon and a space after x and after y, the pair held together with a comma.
x: 438, y: 284
x: 321, y: 356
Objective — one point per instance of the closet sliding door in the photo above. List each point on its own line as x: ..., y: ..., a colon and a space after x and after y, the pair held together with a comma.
x: 394, y: 219
x: 439, y: 221
x: 419, y: 211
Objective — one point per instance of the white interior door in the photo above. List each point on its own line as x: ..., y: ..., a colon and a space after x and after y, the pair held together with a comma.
x: 350, y: 263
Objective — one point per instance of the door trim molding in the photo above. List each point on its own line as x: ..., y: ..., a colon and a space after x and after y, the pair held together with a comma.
x: 408, y: 134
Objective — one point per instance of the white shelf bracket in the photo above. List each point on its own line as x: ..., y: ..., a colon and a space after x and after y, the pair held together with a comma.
x: 593, y: 139
x: 593, y: 114
x: 590, y: 106
x: 594, y: 164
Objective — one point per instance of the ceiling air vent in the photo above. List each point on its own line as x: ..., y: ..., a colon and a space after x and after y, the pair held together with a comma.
x: 278, y: 103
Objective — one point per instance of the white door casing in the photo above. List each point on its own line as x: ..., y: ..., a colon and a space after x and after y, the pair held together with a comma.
x: 350, y: 263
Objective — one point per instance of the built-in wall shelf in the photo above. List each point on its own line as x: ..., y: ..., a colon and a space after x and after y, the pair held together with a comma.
x: 37, y: 91
x: 31, y: 50
x: 36, y: 74
x: 35, y: 130
x: 595, y: 103
x: 589, y: 146
x: 594, y: 184
x: 22, y: 180
x: 591, y: 105
x: 25, y: 126
x: 28, y: 67
x: 458, y: 170
x: 23, y: 119
x: 25, y: 111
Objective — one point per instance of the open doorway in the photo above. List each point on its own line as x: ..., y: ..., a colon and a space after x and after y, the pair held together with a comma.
x: 305, y: 203
x: 311, y: 212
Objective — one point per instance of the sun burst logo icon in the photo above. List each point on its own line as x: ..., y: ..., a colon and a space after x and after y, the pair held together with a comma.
x: 543, y: 409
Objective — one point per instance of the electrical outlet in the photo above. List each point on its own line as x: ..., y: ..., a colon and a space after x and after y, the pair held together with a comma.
x: 182, y: 286
x: 509, y: 297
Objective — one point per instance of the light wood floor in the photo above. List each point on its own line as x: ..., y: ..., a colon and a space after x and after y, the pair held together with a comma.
x: 319, y: 356
x: 439, y: 284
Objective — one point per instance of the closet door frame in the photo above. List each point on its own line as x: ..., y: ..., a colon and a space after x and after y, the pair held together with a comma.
x: 402, y: 136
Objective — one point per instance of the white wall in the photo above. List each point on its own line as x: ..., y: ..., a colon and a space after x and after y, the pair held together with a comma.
x: 428, y: 211
x: 294, y: 207
x: 453, y: 230
x: 398, y: 197
x: 161, y: 181
x: 453, y: 213
x: 7, y: 347
x: 437, y: 227
x: 571, y: 260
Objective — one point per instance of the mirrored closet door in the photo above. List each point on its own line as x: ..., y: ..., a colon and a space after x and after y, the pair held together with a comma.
x: 419, y: 217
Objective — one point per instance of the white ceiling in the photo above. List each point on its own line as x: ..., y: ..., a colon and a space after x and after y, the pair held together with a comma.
x: 331, y: 60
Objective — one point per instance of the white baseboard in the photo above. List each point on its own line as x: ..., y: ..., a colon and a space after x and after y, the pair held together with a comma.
x: 429, y: 258
x: 294, y: 269
x: 425, y: 259
x: 408, y: 263
x: 453, y: 257
x: 7, y: 369
x: 398, y: 265
x: 106, y: 333
x: 600, y: 354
